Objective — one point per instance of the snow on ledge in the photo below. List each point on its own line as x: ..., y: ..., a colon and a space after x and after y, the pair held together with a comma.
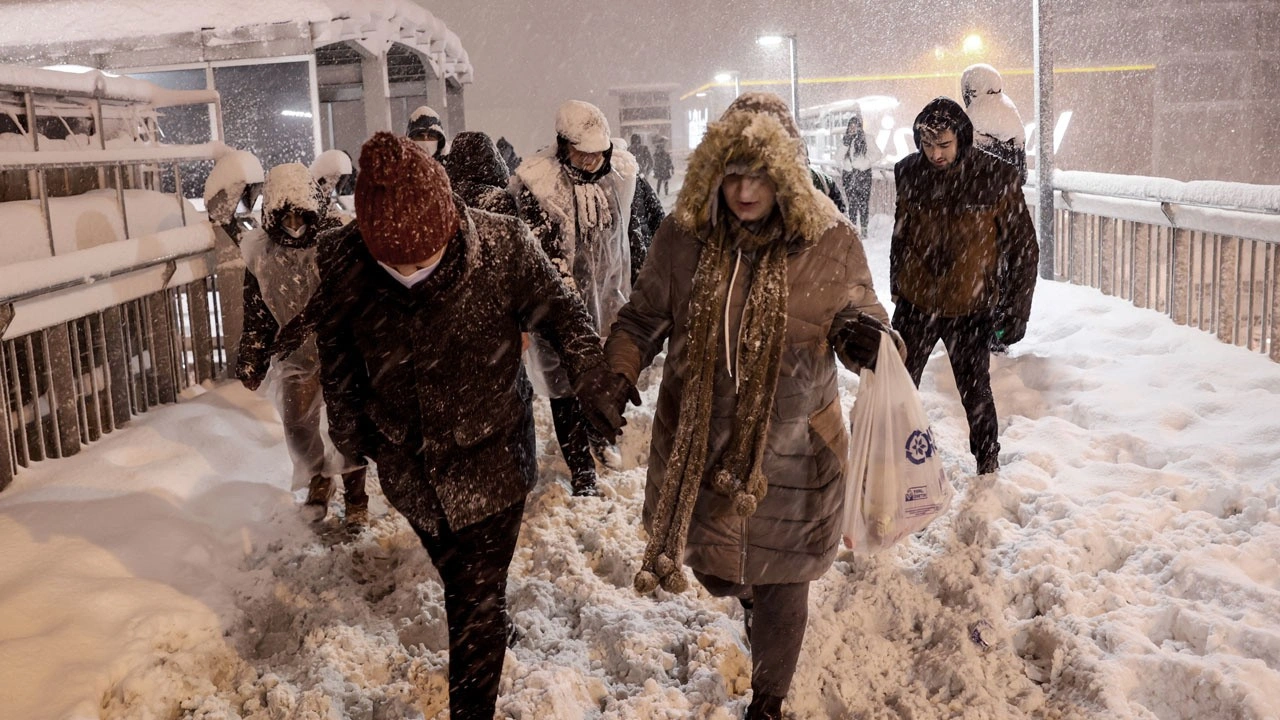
x: 1208, y: 193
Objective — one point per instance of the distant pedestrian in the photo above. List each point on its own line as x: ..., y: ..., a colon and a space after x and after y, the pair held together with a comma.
x: 855, y: 171
x: 508, y: 153
x: 663, y: 169
x: 426, y: 130
x: 644, y: 158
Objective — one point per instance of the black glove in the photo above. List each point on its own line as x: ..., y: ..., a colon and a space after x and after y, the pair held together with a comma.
x: 859, y: 339
x: 603, y: 395
x: 1011, y: 329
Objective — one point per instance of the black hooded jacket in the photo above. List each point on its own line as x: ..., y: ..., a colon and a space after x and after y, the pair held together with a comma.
x: 963, y: 239
x: 478, y: 174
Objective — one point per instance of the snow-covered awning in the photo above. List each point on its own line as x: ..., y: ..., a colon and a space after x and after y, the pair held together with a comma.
x: 40, y: 28
x: 99, y: 85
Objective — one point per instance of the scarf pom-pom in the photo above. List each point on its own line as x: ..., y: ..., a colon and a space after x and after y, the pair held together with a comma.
x: 724, y: 481
x: 744, y: 503
x: 676, y: 582
x: 664, y: 565
x: 758, y: 485
x: 645, y: 582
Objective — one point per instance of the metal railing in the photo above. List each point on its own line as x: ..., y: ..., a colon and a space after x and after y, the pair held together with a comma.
x: 1197, y: 254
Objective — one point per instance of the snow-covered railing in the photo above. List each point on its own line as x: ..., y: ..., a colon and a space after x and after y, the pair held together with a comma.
x: 1204, y: 252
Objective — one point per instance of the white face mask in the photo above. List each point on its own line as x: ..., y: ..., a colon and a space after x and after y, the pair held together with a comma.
x: 428, y: 146
x: 295, y: 233
x: 409, y: 280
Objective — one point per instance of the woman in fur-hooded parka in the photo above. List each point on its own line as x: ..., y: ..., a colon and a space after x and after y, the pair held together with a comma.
x: 793, y: 533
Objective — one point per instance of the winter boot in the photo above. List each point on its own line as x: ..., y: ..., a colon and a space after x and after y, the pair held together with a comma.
x: 319, y: 491
x: 355, y: 498
x: 764, y: 707
x: 988, y: 464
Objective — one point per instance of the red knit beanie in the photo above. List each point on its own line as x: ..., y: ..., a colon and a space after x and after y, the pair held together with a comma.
x: 404, y: 204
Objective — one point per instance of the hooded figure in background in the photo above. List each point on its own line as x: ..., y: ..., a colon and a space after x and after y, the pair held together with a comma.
x: 646, y: 216
x: 576, y: 196
x: 997, y: 126
x: 756, y: 285
x: 418, y: 320
x: 280, y: 277
x: 855, y: 170
x: 230, y: 192
x: 644, y: 158
x: 962, y: 263
x: 334, y: 177
x: 478, y: 174
x: 427, y: 132
x: 508, y: 153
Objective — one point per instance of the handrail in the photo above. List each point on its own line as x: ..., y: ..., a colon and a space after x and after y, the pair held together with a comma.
x: 98, y: 277
x: 91, y: 157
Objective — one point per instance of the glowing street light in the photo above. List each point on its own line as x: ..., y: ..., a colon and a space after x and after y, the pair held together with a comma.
x: 973, y: 45
x: 724, y: 77
x: 773, y: 40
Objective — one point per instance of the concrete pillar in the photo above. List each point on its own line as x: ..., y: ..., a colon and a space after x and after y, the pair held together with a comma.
x: 456, y: 110
x: 377, y: 90
x: 1217, y: 91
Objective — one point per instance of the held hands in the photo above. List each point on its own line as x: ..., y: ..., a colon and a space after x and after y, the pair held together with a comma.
x: 603, y: 395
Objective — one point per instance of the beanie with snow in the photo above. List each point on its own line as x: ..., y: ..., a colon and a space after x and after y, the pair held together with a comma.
x: 404, y: 204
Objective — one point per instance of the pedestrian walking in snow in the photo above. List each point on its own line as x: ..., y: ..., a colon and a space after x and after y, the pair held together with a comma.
x: 756, y: 284
x: 280, y: 277
x: 427, y: 132
x: 960, y: 218
x: 576, y: 196
x: 478, y: 174
x: 997, y: 129
x: 334, y: 176
x: 418, y: 321
x: 997, y: 126
x: 855, y: 171
x: 509, y: 155
x: 663, y: 169
x: 644, y: 157
x: 646, y: 216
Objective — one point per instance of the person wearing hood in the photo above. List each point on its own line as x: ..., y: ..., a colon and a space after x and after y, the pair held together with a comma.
x: 509, y: 154
x: 663, y: 168
x: 576, y: 196
x: 756, y: 285
x: 960, y: 219
x: 997, y: 126
x: 334, y: 176
x: 644, y: 158
x: 478, y: 174
x: 417, y: 321
x: 855, y: 170
x: 280, y: 277
x: 427, y: 132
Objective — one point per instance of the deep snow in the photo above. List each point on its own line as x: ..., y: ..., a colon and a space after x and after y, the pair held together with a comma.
x: 1125, y: 559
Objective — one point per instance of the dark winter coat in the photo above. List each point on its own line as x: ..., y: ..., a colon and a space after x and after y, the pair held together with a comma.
x: 662, y: 167
x: 646, y: 216
x: 794, y: 533
x: 644, y: 158
x: 954, y: 230
x: 427, y: 381
x: 508, y: 153
x: 478, y: 174
x: 828, y: 186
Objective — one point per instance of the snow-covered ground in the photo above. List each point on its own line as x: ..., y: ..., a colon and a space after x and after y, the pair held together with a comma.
x: 1125, y: 559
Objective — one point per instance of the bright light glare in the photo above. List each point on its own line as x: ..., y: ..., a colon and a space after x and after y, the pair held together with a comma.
x: 295, y: 113
x: 770, y: 40
x: 724, y: 77
x: 972, y: 45
x: 700, y: 94
x: 76, y: 69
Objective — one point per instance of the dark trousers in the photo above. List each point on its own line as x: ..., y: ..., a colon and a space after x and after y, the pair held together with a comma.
x: 661, y: 187
x: 967, y: 339
x: 779, y: 616
x: 473, y: 563
x: 857, y: 187
x: 574, y: 434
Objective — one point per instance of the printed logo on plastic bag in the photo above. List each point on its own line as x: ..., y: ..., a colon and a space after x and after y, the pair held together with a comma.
x: 920, y: 446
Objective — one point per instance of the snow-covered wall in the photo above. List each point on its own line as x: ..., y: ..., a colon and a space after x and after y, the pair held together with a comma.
x: 83, y: 221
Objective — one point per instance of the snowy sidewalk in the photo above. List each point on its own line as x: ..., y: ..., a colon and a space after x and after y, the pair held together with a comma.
x: 1126, y: 560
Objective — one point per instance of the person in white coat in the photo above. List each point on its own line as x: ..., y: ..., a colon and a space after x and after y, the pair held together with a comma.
x: 997, y: 126
x: 855, y: 171
x: 576, y: 196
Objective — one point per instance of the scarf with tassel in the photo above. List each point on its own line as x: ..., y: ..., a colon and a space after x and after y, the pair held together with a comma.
x: 738, y: 473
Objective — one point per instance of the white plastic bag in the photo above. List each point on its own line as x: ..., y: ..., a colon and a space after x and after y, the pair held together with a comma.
x: 896, y: 482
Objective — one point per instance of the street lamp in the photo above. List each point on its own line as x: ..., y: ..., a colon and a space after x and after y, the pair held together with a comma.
x: 773, y: 41
x: 724, y: 77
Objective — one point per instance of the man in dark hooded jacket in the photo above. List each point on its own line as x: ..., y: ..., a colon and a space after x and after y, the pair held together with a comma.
x: 479, y: 175
x: 960, y: 216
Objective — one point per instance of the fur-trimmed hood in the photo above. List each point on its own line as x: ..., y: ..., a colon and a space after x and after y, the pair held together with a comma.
x: 760, y: 142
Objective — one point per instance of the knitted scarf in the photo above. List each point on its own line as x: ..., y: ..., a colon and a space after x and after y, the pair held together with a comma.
x: 738, y: 472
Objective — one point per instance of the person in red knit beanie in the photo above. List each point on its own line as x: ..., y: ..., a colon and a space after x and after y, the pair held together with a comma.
x: 418, y: 322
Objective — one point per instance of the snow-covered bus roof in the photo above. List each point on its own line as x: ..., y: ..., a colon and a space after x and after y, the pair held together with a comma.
x: 28, y: 23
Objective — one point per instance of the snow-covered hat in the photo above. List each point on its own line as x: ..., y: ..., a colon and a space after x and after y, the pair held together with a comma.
x: 763, y: 102
x: 426, y: 120
x: 980, y: 79
x: 329, y: 166
x: 403, y: 201
x: 289, y: 187
x: 583, y: 126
